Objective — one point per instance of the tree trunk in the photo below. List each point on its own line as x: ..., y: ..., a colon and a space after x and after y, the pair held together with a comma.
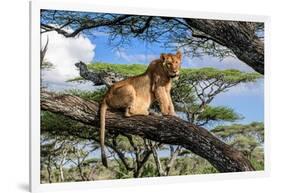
x: 81, y: 172
x: 164, y: 129
x: 171, y: 161
x: 49, y: 170
x: 239, y: 37
x: 61, y: 174
x: 157, y: 162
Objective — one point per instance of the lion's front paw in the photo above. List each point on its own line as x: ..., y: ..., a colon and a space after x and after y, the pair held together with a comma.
x: 154, y: 113
x: 172, y: 113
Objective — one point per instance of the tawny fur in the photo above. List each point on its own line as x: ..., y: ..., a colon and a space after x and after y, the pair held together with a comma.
x: 137, y: 93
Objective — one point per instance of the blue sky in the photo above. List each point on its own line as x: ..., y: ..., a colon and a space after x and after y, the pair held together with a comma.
x: 246, y: 99
x: 138, y: 51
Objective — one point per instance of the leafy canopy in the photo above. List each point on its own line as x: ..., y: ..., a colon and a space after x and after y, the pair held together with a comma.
x: 228, y: 75
x: 219, y: 113
x: 240, y: 129
x: 123, y: 69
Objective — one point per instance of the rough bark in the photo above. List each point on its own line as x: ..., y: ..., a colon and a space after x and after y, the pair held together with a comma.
x: 164, y: 129
x: 98, y: 78
x: 239, y: 37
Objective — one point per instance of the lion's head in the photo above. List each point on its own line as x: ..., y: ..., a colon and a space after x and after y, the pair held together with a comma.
x: 172, y: 64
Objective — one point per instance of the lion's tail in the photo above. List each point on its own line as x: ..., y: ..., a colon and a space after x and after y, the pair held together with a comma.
x: 103, y: 109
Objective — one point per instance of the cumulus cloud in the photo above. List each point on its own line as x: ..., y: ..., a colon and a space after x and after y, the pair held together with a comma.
x: 247, y: 89
x: 63, y: 53
x: 135, y: 58
x: 210, y: 61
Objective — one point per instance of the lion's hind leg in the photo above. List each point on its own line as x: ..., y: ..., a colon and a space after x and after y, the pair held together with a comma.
x: 136, y: 110
x: 122, y: 97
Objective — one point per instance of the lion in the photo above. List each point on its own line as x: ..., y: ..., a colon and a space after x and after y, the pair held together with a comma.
x: 136, y: 94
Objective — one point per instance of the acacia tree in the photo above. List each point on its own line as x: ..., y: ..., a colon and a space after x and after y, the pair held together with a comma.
x: 54, y: 153
x: 197, y: 88
x: 213, y: 37
x: 246, y: 138
x: 59, y: 149
x: 79, y: 157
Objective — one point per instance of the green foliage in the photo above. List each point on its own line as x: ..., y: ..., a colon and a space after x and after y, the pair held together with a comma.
x: 244, y: 143
x: 247, y: 139
x: 47, y: 65
x: 149, y: 170
x: 258, y: 164
x: 55, y: 121
x: 95, y: 95
x: 76, y: 79
x: 192, y: 164
x: 122, y: 173
x: 124, y: 69
x: 219, y: 113
x: 57, y: 125
x: 229, y: 75
x: 255, y: 128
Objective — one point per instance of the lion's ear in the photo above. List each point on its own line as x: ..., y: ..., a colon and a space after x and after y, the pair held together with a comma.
x: 163, y: 57
x: 178, y: 54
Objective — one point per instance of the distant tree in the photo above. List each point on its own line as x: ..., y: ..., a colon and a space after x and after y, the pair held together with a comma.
x: 130, y: 152
x: 246, y: 138
x: 44, y: 63
x: 59, y: 149
x: 80, y: 156
x: 196, y: 89
x: 54, y: 151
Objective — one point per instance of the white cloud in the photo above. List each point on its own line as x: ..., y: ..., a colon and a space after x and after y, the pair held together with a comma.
x: 63, y: 53
x: 247, y: 89
x: 135, y: 58
x: 210, y: 61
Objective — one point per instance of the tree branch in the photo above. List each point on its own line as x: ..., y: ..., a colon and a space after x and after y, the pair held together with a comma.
x: 83, y: 26
x: 98, y: 78
x: 239, y: 37
x: 166, y: 129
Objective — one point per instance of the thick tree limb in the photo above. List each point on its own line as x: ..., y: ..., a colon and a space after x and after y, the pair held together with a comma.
x: 98, y: 78
x: 167, y: 129
x: 239, y: 37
